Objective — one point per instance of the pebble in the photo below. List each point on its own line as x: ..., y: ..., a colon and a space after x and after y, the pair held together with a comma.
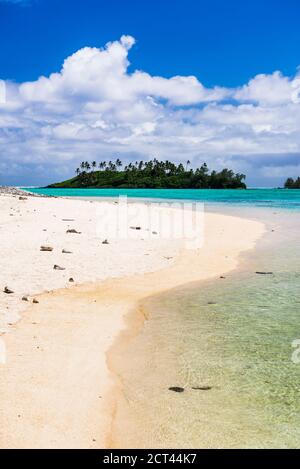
x: 203, y: 388
x: 264, y: 273
x: 176, y: 389
x: 46, y: 249
x: 72, y: 231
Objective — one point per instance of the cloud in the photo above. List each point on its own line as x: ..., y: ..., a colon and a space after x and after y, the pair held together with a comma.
x: 99, y: 75
x: 270, y: 90
x: 94, y: 108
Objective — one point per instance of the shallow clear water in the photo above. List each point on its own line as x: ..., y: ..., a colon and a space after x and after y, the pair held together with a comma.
x: 240, y: 346
x: 277, y: 198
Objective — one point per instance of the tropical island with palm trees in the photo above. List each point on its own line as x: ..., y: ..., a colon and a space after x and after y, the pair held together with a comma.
x: 292, y: 183
x: 153, y: 174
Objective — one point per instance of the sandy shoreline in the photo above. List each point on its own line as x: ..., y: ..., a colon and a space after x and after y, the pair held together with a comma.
x: 55, y: 388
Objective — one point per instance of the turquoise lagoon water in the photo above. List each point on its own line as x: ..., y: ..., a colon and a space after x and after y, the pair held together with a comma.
x: 233, y: 335
x: 277, y: 198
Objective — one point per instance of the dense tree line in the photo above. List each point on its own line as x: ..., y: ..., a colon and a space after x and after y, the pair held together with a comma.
x: 152, y: 174
x: 292, y: 183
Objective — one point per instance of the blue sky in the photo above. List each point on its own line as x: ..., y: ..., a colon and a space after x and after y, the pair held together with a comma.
x: 221, y: 42
x: 223, y: 114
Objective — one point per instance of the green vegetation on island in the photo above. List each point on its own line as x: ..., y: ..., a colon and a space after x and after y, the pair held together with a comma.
x: 152, y: 174
x: 291, y: 183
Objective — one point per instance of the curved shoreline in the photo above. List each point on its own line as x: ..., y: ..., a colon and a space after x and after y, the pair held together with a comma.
x: 59, y: 394
x: 136, y: 318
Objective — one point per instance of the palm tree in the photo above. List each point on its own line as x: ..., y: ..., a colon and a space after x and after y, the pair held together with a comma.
x: 155, y: 173
x: 119, y: 163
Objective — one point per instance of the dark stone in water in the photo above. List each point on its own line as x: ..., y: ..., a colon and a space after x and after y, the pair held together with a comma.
x: 264, y: 273
x: 203, y: 388
x: 176, y: 389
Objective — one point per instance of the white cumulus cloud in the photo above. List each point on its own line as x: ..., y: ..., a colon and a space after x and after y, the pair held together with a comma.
x: 94, y: 108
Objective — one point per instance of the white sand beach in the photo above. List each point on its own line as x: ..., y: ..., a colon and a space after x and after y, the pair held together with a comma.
x: 56, y: 389
x: 27, y: 225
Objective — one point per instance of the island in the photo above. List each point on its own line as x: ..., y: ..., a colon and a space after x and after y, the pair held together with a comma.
x: 153, y: 174
x: 291, y: 183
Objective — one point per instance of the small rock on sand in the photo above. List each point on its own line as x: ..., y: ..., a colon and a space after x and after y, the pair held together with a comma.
x: 8, y: 291
x: 72, y: 231
x: 64, y: 251
x: 105, y: 241
x: 57, y: 267
x: 176, y: 389
x: 25, y: 298
x: 46, y: 249
x: 71, y: 280
x: 35, y: 301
